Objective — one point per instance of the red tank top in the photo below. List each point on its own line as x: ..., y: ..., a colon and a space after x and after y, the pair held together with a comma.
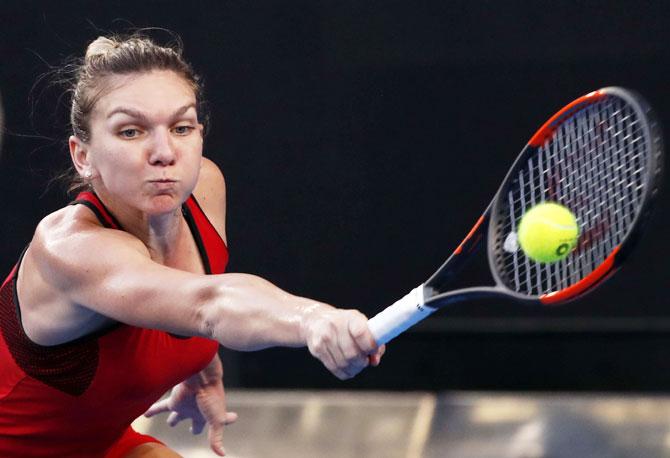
x: 75, y: 399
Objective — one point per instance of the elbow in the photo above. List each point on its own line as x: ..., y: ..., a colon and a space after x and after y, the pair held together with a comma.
x: 207, y: 313
x: 235, y: 313
x: 205, y: 325
x: 218, y: 318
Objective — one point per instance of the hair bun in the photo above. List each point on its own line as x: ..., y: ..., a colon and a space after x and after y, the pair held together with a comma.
x: 101, y: 46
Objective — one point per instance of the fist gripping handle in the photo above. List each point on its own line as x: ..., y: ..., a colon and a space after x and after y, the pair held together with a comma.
x: 398, y: 317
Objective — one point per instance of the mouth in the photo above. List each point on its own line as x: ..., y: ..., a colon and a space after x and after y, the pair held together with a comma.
x: 162, y: 185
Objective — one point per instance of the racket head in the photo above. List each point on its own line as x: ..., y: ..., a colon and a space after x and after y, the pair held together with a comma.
x: 602, y: 157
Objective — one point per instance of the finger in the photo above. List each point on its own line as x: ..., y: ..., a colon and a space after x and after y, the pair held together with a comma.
x: 157, y: 407
x: 354, y: 359
x: 174, y: 418
x: 231, y: 417
x: 360, y: 332
x: 343, y: 351
x: 337, y: 365
x: 376, y: 358
x: 197, y: 426
x: 321, y: 352
x: 353, y: 354
x: 349, y: 347
x: 216, y: 439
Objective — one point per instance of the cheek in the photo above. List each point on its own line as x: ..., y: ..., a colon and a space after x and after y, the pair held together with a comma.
x: 116, y: 165
x: 194, y: 172
x: 195, y: 160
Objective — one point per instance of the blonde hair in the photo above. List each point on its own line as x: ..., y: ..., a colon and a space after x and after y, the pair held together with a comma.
x: 114, y: 55
x: 121, y: 55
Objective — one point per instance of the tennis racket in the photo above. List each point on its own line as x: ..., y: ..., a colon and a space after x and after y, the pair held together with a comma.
x: 601, y: 156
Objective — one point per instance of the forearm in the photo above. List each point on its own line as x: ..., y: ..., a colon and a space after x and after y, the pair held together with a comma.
x: 248, y: 313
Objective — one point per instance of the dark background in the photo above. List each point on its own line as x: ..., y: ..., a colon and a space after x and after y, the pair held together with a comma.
x: 360, y: 141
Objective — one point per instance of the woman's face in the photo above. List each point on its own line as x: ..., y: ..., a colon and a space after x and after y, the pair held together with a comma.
x: 145, y: 147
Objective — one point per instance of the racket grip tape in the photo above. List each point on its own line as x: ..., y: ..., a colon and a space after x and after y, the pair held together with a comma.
x: 400, y: 316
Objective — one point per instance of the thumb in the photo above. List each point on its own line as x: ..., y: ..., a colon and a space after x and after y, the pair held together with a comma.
x: 197, y: 426
x: 376, y: 357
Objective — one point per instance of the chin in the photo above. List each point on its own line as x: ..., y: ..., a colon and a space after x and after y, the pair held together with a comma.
x: 164, y: 203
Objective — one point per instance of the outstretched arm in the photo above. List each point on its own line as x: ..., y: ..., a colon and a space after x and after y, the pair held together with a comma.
x: 111, y: 273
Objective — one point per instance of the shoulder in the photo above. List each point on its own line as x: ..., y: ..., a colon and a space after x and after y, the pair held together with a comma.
x: 75, y: 222
x: 65, y: 238
x: 211, y: 186
x: 58, y: 263
x: 210, y: 193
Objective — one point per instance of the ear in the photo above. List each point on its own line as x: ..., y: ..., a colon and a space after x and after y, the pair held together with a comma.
x: 79, y: 154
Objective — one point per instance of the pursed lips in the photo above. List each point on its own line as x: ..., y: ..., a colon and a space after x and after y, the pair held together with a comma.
x: 163, y: 184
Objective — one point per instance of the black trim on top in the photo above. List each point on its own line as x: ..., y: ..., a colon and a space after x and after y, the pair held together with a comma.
x: 197, y: 204
x: 111, y: 215
x: 14, y: 281
x: 188, y: 216
x: 190, y: 220
x: 91, y: 206
x: 98, y: 213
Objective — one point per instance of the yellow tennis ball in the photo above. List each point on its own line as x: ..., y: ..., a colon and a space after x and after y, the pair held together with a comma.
x: 548, y: 232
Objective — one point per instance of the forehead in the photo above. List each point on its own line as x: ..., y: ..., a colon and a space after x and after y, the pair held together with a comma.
x: 156, y: 91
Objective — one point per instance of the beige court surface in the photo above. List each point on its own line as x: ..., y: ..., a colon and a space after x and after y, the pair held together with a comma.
x: 325, y: 424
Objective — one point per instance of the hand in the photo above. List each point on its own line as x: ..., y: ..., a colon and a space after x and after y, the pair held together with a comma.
x: 342, y: 341
x: 203, y: 405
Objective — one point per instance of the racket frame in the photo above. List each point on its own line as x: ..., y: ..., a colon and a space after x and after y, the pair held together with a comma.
x: 430, y: 296
x: 433, y: 287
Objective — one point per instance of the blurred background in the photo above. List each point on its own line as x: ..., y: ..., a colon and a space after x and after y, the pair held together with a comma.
x: 360, y: 141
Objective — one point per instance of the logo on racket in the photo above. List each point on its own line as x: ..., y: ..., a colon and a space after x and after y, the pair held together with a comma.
x: 562, y: 249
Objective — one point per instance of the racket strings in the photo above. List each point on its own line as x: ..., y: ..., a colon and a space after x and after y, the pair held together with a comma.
x: 594, y: 164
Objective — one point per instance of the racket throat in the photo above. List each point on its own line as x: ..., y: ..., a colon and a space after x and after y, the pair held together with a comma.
x: 439, y: 300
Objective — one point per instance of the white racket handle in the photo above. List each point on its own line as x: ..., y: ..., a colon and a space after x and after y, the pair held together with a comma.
x: 398, y: 317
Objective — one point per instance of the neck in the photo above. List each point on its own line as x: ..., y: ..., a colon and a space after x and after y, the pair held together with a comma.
x: 160, y: 233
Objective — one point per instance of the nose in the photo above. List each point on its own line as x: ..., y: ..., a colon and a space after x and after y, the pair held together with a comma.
x: 162, y: 151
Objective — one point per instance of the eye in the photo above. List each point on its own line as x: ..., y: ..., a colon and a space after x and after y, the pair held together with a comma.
x: 129, y: 133
x: 183, y: 130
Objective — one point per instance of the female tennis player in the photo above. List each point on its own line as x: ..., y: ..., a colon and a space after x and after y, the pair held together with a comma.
x: 122, y: 294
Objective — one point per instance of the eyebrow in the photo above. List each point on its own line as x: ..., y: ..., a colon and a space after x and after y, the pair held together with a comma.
x: 142, y: 117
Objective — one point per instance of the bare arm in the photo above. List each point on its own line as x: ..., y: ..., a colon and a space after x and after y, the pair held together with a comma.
x: 110, y: 272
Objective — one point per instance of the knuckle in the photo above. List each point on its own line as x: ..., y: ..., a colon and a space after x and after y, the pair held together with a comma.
x: 351, y: 355
x: 317, y: 347
x: 342, y: 375
x: 359, y: 330
x: 360, y: 363
x: 327, y: 337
